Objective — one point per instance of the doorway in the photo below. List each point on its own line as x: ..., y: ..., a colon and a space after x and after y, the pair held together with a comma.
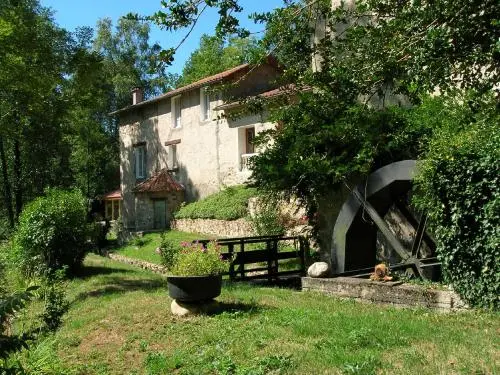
x: 160, y: 213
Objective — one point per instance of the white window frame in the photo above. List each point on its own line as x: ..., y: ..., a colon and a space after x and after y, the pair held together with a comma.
x: 176, y: 112
x: 140, y: 161
x: 205, y: 110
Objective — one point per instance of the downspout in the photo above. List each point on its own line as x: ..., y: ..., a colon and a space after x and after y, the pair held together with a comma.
x: 217, y: 153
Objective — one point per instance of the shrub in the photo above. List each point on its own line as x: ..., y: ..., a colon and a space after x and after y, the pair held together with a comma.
x: 98, y: 233
x: 268, y: 219
x: 56, y: 304
x: 196, y: 260
x: 459, y: 187
x: 168, y: 251
x: 10, y: 305
x: 52, y: 232
x: 228, y: 204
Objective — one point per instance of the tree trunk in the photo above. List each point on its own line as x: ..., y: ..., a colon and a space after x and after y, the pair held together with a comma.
x: 6, y: 185
x: 18, y: 189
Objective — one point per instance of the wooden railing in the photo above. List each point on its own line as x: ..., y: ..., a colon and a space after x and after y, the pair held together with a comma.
x: 259, y: 257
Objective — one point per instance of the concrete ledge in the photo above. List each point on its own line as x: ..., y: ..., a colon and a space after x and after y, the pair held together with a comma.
x: 395, y: 293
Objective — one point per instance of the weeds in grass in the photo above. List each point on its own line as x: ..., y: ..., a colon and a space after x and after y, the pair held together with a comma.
x: 363, y: 337
x: 143, y: 346
x: 156, y: 363
x: 273, y: 364
x: 140, y: 241
x: 369, y: 366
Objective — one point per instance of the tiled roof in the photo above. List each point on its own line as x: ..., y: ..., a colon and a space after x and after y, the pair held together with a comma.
x: 202, y: 82
x: 159, y: 182
x: 287, y: 89
x: 116, y: 194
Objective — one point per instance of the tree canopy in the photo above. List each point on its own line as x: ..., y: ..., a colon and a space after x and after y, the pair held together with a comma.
x: 214, y: 56
x: 56, y: 91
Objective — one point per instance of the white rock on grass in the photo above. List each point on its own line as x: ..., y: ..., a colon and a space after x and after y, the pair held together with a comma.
x: 318, y: 269
x: 183, y: 309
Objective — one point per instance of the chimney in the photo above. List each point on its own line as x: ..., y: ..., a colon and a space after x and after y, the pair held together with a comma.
x: 137, y: 95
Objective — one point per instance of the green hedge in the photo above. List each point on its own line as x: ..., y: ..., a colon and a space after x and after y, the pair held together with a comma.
x: 460, y: 190
x: 228, y: 204
x: 52, y: 232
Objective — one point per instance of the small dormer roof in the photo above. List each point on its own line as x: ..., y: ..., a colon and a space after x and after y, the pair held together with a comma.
x: 162, y: 181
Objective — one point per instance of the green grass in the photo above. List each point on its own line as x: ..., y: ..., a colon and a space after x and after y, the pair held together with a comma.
x: 119, y: 322
x: 228, y: 204
x: 144, y: 248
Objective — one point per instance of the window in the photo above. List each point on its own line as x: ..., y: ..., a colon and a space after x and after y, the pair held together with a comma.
x: 172, y: 156
x: 172, y: 153
x: 204, y: 104
x: 249, y: 138
x: 176, y: 112
x: 140, y: 161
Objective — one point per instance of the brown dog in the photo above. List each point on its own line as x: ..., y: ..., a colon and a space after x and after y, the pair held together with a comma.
x: 381, y: 273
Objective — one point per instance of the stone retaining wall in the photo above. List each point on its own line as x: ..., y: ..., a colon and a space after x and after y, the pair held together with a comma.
x: 138, y: 263
x: 218, y: 228
x: 394, y: 293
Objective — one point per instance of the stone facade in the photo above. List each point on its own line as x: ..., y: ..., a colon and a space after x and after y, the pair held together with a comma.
x: 219, y: 228
x: 204, y: 155
x: 144, y: 208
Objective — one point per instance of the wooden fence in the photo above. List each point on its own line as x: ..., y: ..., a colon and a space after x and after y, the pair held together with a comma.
x: 259, y: 257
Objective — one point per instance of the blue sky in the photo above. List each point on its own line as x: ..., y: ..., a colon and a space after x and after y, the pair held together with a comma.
x: 71, y: 14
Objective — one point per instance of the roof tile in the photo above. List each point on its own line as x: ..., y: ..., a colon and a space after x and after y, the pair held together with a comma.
x: 159, y: 182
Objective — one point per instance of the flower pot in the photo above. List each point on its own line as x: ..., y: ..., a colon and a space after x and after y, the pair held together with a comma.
x: 194, y: 288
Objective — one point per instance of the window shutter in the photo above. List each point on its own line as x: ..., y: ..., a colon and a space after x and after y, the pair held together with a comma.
x: 135, y: 162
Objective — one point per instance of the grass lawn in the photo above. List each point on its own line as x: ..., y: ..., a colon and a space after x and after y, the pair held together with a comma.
x: 144, y: 247
x: 119, y: 322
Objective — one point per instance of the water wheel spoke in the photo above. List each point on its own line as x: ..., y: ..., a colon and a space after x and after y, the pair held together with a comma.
x: 417, y: 241
x: 426, y: 237
x: 383, y: 227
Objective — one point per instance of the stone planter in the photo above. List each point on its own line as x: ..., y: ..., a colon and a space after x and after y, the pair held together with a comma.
x: 194, y: 288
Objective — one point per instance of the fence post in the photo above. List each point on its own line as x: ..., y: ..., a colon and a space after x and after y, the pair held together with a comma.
x: 275, y: 259
x: 269, y: 260
x: 304, y: 246
x: 242, y: 265
x: 230, y: 249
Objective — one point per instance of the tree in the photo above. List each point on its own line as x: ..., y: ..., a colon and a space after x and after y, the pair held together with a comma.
x: 105, y: 69
x: 130, y: 60
x: 214, y: 56
x: 32, y: 67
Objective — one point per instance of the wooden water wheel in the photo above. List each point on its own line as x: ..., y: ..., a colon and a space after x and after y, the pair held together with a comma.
x: 378, y: 224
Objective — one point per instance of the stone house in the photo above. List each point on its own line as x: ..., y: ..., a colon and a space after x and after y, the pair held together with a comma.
x: 180, y: 146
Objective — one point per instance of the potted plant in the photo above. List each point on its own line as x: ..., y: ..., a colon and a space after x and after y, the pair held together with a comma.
x: 195, y: 271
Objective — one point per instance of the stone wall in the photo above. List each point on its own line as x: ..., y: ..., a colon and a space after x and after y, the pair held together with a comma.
x: 394, y: 293
x: 218, y: 228
x: 144, y: 212
x: 138, y: 263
